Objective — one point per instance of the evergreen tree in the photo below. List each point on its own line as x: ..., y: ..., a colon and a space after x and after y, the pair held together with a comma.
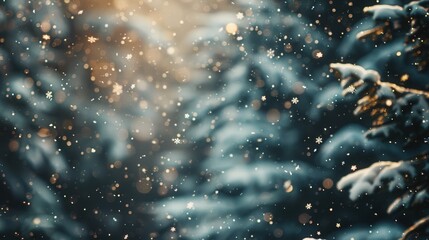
x: 396, y: 99
x: 268, y: 130
x: 73, y: 106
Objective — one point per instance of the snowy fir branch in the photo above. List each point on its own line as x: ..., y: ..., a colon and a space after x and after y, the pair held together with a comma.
x: 412, y: 18
x: 398, y: 113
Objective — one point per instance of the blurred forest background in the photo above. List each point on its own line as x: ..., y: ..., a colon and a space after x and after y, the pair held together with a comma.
x: 243, y: 119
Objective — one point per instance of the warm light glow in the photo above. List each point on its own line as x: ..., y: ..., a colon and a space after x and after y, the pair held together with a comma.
x: 231, y: 28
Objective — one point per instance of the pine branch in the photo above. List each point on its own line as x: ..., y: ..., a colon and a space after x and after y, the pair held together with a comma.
x: 396, y: 111
x: 418, y: 230
x: 393, y: 176
x: 403, y: 90
x: 411, y: 19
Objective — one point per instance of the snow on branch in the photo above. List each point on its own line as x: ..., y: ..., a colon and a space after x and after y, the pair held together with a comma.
x: 419, y: 229
x: 390, y: 175
x: 396, y: 111
x: 411, y: 21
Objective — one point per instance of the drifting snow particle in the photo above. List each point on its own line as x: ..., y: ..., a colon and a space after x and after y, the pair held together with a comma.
x: 239, y: 15
x: 190, y: 205
x: 270, y: 53
x: 117, y: 89
x: 353, y: 168
x: 319, y: 140
x: 92, y: 39
x: 129, y: 56
x: 319, y: 54
x: 308, y: 206
x: 295, y: 100
x: 176, y: 140
x: 49, y: 95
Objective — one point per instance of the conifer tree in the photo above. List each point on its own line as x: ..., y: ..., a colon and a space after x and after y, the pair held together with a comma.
x: 266, y: 130
x: 73, y: 106
x: 396, y: 99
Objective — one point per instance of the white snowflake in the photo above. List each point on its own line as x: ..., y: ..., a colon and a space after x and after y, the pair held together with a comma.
x: 190, y: 205
x: 49, y: 95
x: 295, y: 100
x: 319, y: 140
x: 129, y: 56
x: 240, y: 15
x: 270, y: 53
x: 117, y: 88
x: 176, y: 140
x: 92, y: 39
x: 308, y: 206
x: 187, y: 115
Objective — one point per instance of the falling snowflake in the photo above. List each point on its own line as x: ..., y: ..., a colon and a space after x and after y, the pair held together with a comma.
x: 49, y: 95
x: 295, y: 100
x: 172, y: 229
x: 190, y: 205
x: 240, y: 15
x: 263, y: 98
x: 338, y: 225
x: 129, y: 56
x: 187, y: 115
x: 308, y: 206
x: 176, y: 140
x: 270, y: 53
x: 92, y: 39
x: 319, y: 140
x: 117, y: 88
x: 353, y: 168
x: 46, y: 37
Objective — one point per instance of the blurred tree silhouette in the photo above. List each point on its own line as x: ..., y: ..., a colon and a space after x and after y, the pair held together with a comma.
x: 75, y: 93
x: 253, y: 146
